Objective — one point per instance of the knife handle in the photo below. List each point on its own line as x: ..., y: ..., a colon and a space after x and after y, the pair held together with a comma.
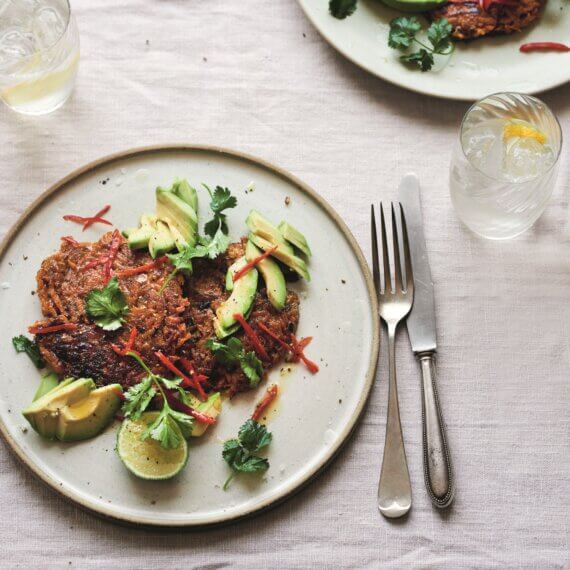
x: 437, y: 462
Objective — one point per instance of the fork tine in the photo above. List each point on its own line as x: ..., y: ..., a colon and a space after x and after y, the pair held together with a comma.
x: 385, y: 259
x: 397, y: 267
x: 374, y: 238
x: 407, y: 256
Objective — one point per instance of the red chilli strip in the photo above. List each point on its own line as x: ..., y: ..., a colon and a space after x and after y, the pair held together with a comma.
x: 186, y: 382
x: 270, y: 333
x: 99, y: 215
x: 143, y: 268
x: 194, y: 377
x: 258, y: 347
x: 270, y: 395
x: 70, y: 240
x: 179, y: 406
x: 250, y: 264
x: 544, y: 46
x: 129, y: 344
x: 84, y: 220
x: 53, y: 328
x: 312, y: 367
x: 113, y: 251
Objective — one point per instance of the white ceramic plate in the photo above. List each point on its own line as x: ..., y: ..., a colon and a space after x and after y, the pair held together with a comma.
x: 315, y: 414
x: 476, y: 69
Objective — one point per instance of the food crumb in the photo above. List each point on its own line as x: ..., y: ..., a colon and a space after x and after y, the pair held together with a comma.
x: 287, y: 200
x: 343, y: 281
x: 25, y: 257
x: 304, y: 35
x: 24, y: 429
x: 147, y: 42
x: 340, y: 400
x: 33, y: 292
x: 205, y: 59
x: 153, y: 502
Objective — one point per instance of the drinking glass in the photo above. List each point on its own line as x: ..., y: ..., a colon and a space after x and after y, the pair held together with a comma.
x: 39, y: 54
x: 504, y: 165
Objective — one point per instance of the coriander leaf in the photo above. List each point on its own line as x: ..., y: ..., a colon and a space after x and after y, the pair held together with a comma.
x: 251, y: 367
x: 239, y: 453
x: 233, y: 452
x: 184, y: 422
x: 221, y: 199
x: 215, y: 246
x: 422, y: 58
x: 107, y: 307
x: 253, y: 464
x: 403, y: 31
x: 24, y: 344
x: 439, y: 34
x: 138, y: 397
x: 171, y: 383
x: 164, y: 430
x: 342, y: 8
x: 233, y: 354
x: 254, y: 436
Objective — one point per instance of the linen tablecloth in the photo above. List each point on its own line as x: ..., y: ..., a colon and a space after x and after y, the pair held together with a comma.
x: 255, y: 76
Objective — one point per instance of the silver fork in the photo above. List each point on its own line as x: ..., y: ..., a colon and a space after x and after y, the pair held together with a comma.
x: 394, y: 489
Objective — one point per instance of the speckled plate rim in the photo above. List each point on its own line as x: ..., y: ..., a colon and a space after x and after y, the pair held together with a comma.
x: 403, y: 84
x: 294, y: 487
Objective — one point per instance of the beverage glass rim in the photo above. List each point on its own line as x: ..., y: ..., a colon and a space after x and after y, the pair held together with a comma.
x: 55, y: 43
x: 493, y: 178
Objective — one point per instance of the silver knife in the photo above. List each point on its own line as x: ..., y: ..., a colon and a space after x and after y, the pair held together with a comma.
x: 422, y: 333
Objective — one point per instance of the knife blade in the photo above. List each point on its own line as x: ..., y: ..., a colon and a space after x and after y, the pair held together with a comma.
x: 438, y: 471
x: 421, y: 320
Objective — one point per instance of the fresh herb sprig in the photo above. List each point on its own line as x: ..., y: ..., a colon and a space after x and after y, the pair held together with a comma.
x: 402, y: 36
x: 241, y: 453
x: 341, y: 9
x: 220, y: 199
x: 169, y: 424
x: 24, y: 344
x: 107, y: 307
x: 216, y: 240
x: 233, y: 355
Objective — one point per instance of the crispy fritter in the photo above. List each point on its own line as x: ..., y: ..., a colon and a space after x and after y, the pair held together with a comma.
x: 169, y: 321
x: 470, y: 21
x: 158, y: 316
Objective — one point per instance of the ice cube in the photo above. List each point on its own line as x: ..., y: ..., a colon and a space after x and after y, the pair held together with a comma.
x: 48, y: 27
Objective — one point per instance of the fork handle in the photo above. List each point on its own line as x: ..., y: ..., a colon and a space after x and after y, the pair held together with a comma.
x: 394, y: 489
x: 437, y: 462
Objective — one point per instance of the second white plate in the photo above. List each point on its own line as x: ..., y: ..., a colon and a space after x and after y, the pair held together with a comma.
x: 476, y: 69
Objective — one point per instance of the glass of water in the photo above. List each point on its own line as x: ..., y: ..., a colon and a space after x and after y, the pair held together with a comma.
x: 505, y: 164
x: 39, y: 54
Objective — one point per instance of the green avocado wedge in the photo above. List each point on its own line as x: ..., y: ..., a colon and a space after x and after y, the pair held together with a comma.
x: 48, y: 383
x: 295, y: 237
x: 241, y: 299
x: 413, y: 5
x: 138, y: 238
x: 211, y: 407
x: 283, y: 254
x: 74, y: 410
x: 272, y: 275
x: 177, y: 214
x: 161, y: 240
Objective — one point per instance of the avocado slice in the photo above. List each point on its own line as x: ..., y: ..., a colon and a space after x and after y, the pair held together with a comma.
x: 183, y: 190
x: 178, y: 214
x: 266, y: 236
x: 272, y: 275
x: 161, y: 240
x: 212, y: 407
x: 47, y: 384
x: 179, y: 241
x: 43, y: 414
x: 283, y: 254
x: 88, y: 417
x: 241, y: 299
x: 414, y: 5
x: 138, y: 238
x: 295, y: 237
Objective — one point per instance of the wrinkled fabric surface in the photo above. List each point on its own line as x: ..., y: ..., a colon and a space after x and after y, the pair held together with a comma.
x: 255, y: 76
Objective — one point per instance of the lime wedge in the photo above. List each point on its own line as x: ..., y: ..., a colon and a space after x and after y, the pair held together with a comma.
x: 148, y: 459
